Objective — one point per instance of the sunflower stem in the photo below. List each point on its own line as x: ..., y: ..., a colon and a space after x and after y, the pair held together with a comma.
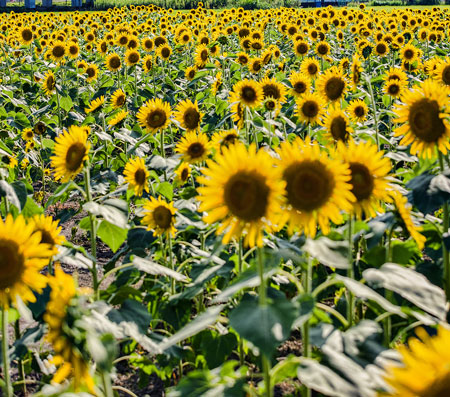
x: 20, y: 363
x: 445, y: 230
x: 262, y: 302
x: 350, y: 273
x: 388, y: 293
x: 59, y: 109
x: 5, y: 348
x: 241, y: 340
x: 307, y: 286
x: 374, y: 109
x: 172, y: 280
x: 93, y: 230
x: 107, y: 387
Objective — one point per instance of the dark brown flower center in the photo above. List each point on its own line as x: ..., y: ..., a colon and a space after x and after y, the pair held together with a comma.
x: 309, y: 185
x: 334, y: 88
x: 58, y: 51
x: 50, y: 83
x: 381, y: 48
x: 424, y: 120
x: 75, y: 156
x: 204, y: 55
x: 393, y: 89
x: 90, y: 72
x: 46, y: 237
x: 302, y: 48
x: 156, y: 118
x: 322, y: 49
x: 196, y: 150
x: 408, y: 54
x: 359, y: 111
x: 248, y: 94
x: 114, y: 62
x: 299, y: 87
x: 162, y: 217
x: 362, y: 181
x: 312, y: 69
x: 139, y: 177
x: 133, y: 58
x: 27, y: 35
x: 246, y: 194
x: 271, y: 90
x: 11, y: 263
x: 191, y: 118
x: 184, y: 174
x: 446, y: 75
x: 160, y: 41
x: 120, y: 100
x: 310, y: 109
x: 338, y: 129
x: 165, y: 52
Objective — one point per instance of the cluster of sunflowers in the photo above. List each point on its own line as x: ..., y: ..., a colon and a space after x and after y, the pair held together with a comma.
x: 294, y: 155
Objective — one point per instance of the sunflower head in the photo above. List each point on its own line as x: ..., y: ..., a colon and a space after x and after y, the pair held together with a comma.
x: 357, y: 110
x: 132, y: 57
x: 154, y: 115
x: 136, y: 175
x: 310, y: 67
x: 249, y: 92
x: 182, y: 173
x: 70, y: 152
x: 194, y: 147
x: 118, y: 98
x: 113, y: 62
x: 332, y: 85
x: 273, y: 89
x: 301, y: 84
x: 309, y: 108
x: 95, y: 104
x: 188, y: 115
x: 49, y: 230
x: 159, y: 217
x: 338, y: 126
x: 49, y: 83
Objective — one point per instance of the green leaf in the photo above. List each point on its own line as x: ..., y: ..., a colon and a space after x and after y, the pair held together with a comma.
x: 217, y: 347
x: 285, y: 369
x: 7, y: 190
x: 411, y: 285
x: 328, y: 252
x: 65, y: 102
x: 132, y: 311
x: 113, y: 236
x: 264, y: 326
x: 166, y: 190
x: 155, y: 269
x: 112, y: 213
x: 31, y: 208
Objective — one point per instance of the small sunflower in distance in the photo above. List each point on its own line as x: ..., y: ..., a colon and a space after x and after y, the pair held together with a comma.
x: 117, y: 118
x: 136, y: 175
x: 154, y: 115
x: 190, y: 72
x: 424, y: 369
x: 49, y: 230
x: 369, y: 171
x: 194, y: 147
x: 188, y: 115
x: 424, y: 112
x: 317, y: 187
x: 242, y: 190
x: 310, y: 108
x: 91, y: 72
x: 95, y: 104
x: 70, y: 152
x: 182, y: 173
x: 357, y: 110
x: 118, y: 98
x: 132, y: 57
x: 27, y: 134
x: 69, y: 358
x: 310, y: 67
x: 248, y: 92
x: 49, y: 83
x: 113, y: 62
x: 159, y: 217
x: 404, y: 210
x: 22, y: 257
x: 332, y: 84
x: 224, y: 139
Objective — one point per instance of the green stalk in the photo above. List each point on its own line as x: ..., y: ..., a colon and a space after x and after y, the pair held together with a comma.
x: 20, y: 363
x: 445, y: 229
x: 374, y: 109
x: 350, y: 274
x: 241, y: 341
x: 93, y: 230
x: 172, y: 280
x: 262, y: 302
x: 59, y: 109
x: 107, y: 388
x: 6, y: 372
x: 388, y: 293
x: 307, y: 281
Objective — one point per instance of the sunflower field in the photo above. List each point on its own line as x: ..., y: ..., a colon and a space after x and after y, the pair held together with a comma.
x: 225, y: 203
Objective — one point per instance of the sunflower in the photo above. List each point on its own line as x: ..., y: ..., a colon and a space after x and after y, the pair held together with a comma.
x: 27, y: 134
x: 164, y: 52
x: 310, y: 67
x: 117, y: 118
x: 301, y: 84
x: 357, y: 110
x: 63, y: 333
x: 242, y: 190
x: 382, y: 48
x: 217, y: 84
x: 194, y: 147
x: 201, y: 55
x: 154, y: 115
x: 424, y: 113
x: 49, y: 83
x: 118, y: 98
x: 73, y: 50
x: 224, y: 138
x: 322, y: 49
x: 70, y: 152
x: 424, y: 370
x: 273, y: 89
x: 136, y: 175
x: 113, y: 62
x: 25, y: 35
x: 57, y: 51
x: 338, y: 126
x: 255, y: 65
x: 188, y: 115
x: 301, y: 48
x: 442, y: 72
x: 190, y: 73
x: 356, y: 71
x: 92, y: 72
x: 147, y: 63
x: 95, y: 104
x: 369, y: 171
x: 248, y: 92
x: 317, y: 187
x: 132, y: 57
x: 242, y: 58
x: 409, y: 53
x: 237, y: 111
x: 159, y: 217
x: 332, y: 84
x: 182, y: 173
x: 50, y: 231
x: 310, y: 108
x: 394, y: 88
x: 40, y: 128
x: 22, y: 257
